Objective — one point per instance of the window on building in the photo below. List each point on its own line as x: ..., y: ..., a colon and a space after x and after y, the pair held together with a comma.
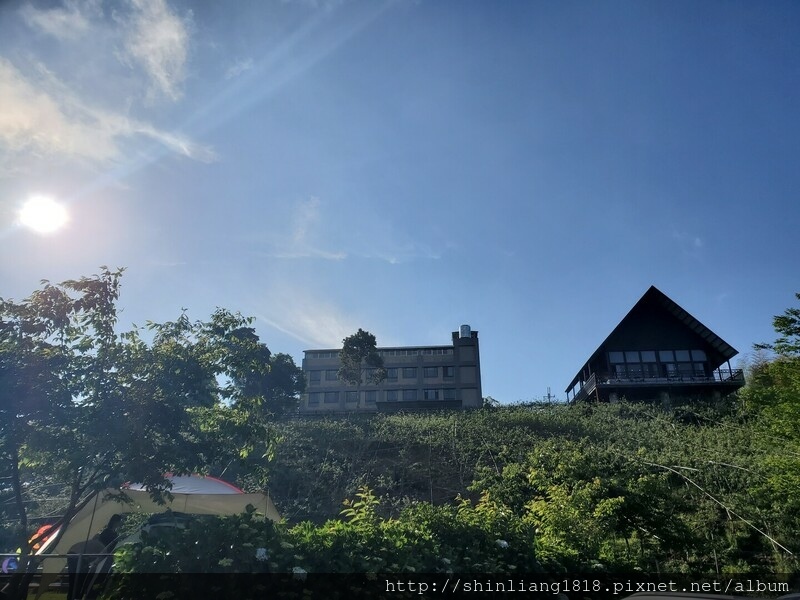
x: 685, y: 369
x: 331, y: 375
x: 392, y: 396
x: 650, y: 370
x: 427, y: 351
x: 409, y: 395
x: 648, y: 356
x: 371, y: 397
x: 314, y: 376
x: 391, y: 374
x: 314, y: 398
x: 449, y: 393
x: 409, y: 372
x: 431, y: 372
x: 431, y: 394
x: 331, y: 397
x: 683, y: 363
x: 634, y: 364
x: 448, y: 372
x: 351, y: 397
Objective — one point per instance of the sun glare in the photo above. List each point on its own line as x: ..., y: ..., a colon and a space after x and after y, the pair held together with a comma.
x: 43, y: 214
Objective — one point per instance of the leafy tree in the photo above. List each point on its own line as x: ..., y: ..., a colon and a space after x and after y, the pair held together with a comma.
x: 286, y: 383
x: 772, y: 395
x: 774, y: 386
x: 360, y: 360
x: 787, y: 326
x: 85, y: 406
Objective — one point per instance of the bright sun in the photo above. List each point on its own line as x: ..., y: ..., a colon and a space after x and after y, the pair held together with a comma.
x: 43, y: 214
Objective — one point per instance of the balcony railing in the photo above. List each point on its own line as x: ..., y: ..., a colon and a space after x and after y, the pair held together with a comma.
x: 719, y: 376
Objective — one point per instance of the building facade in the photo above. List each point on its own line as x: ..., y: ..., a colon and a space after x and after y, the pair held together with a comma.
x: 418, y: 378
x: 657, y: 352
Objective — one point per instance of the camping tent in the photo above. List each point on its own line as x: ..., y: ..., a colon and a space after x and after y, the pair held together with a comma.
x: 191, y: 494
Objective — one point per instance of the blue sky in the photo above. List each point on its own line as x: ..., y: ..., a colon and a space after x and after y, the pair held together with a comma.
x: 529, y: 168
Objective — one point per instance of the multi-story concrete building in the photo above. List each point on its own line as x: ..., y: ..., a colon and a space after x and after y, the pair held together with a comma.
x: 418, y: 378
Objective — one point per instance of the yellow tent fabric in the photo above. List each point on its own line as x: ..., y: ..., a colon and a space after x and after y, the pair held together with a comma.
x: 94, y: 516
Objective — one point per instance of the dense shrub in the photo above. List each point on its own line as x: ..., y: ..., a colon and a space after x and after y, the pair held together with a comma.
x: 557, y: 489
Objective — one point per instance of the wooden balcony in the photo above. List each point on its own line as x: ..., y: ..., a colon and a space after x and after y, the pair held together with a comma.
x: 600, y: 386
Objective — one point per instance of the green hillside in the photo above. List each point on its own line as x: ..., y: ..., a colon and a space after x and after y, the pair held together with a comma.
x: 623, y: 486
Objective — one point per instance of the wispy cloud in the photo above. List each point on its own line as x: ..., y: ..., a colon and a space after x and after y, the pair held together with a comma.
x: 313, y: 232
x: 177, y: 143
x: 34, y: 121
x: 143, y: 34
x: 308, y: 319
x: 406, y: 253
x: 309, y: 253
x: 139, y: 45
x: 239, y: 67
x: 689, y: 243
x: 302, y: 240
x: 40, y: 116
x: 306, y: 217
x: 318, y: 4
x: 158, y: 39
x: 65, y: 23
x: 400, y: 242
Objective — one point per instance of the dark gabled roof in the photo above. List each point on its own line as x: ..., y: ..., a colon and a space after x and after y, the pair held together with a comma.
x: 654, y: 296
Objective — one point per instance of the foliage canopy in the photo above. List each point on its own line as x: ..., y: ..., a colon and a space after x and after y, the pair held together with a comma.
x: 84, y: 407
x: 360, y: 359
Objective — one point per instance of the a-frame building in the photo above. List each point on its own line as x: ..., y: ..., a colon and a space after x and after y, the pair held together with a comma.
x: 657, y: 352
